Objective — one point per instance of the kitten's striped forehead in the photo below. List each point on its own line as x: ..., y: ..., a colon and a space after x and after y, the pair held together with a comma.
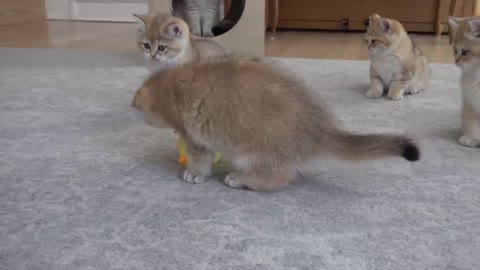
x: 463, y: 35
x: 157, y: 27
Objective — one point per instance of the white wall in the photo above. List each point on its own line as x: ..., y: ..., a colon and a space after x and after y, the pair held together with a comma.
x: 58, y: 9
x: 95, y: 10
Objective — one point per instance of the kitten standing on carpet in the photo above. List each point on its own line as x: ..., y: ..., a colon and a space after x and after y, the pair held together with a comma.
x: 201, y: 15
x: 466, y: 48
x: 397, y: 64
x: 166, y: 42
x: 260, y: 117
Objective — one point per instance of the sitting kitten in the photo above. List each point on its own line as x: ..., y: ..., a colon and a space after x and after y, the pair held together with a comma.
x: 201, y: 15
x: 265, y: 121
x: 166, y: 42
x: 397, y: 64
x: 466, y: 48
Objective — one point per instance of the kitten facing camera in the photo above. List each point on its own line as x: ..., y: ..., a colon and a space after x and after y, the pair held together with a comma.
x: 166, y: 42
x: 397, y: 64
x: 466, y: 50
x: 201, y: 15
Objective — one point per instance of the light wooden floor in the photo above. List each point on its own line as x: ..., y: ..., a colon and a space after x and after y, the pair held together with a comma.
x: 119, y: 37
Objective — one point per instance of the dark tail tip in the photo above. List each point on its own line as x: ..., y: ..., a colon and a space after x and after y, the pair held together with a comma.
x: 410, y: 151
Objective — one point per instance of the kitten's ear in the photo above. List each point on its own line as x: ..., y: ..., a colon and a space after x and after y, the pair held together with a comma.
x: 374, y: 17
x: 453, y: 23
x: 385, y: 25
x: 474, y: 25
x: 140, y: 21
x: 174, y: 30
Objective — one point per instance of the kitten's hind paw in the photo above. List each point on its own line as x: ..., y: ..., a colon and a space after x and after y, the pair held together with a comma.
x: 413, y: 91
x: 192, y: 178
x: 232, y: 181
x: 395, y: 94
x: 469, y: 141
x: 374, y: 93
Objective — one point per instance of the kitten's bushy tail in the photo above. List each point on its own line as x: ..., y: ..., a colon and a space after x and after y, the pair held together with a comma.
x: 349, y: 146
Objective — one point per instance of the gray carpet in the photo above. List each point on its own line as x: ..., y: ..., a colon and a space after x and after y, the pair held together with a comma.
x: 84, y: 185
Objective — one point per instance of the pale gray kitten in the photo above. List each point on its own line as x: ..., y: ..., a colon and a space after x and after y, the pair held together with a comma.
x: 201, y: 15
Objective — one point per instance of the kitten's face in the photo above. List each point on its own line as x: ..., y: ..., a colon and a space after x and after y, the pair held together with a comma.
x: 467, y: 54
x: 162, y: 38
x: 466, y: 42
x: 380, y: 35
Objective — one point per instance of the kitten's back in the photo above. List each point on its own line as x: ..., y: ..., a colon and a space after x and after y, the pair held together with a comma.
x: 206, y: 47
x: 244, y: 107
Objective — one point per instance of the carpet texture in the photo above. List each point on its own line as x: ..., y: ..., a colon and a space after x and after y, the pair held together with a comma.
x: 84, y: 185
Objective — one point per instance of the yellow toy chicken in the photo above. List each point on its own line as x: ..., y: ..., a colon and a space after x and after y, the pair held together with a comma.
x: 182, y: 150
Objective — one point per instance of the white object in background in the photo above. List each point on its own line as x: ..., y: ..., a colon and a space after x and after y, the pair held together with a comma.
x: 248, y: 34
x: 58, y: 9
x: 95, y: 10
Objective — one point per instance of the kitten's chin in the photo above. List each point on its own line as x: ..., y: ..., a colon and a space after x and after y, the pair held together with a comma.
x: 158, y: 64
x: 136, y: 114
x: 378, y: 51
x: 467, y: 67
x: 374, y: 51
x: 154, y: 121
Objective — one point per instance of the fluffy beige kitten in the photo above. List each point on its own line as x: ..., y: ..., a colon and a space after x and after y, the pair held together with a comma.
x: 466, y: 48
x: 257, y: 115
x: 166, y: 42
x: 397, y: 64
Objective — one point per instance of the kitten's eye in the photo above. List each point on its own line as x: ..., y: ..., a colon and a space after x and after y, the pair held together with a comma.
x: 146, y: 46
x: 464, y: 52
x: 162, y: 48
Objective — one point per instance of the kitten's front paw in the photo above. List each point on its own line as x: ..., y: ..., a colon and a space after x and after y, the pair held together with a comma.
x: 469, y: 141
x: 374, y: 93
x: 395, y: 94
x: 192, y: 178
x: 414, y: 91
x: 208, y: 34
x: 196, y: 31
x: 232, y: 181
